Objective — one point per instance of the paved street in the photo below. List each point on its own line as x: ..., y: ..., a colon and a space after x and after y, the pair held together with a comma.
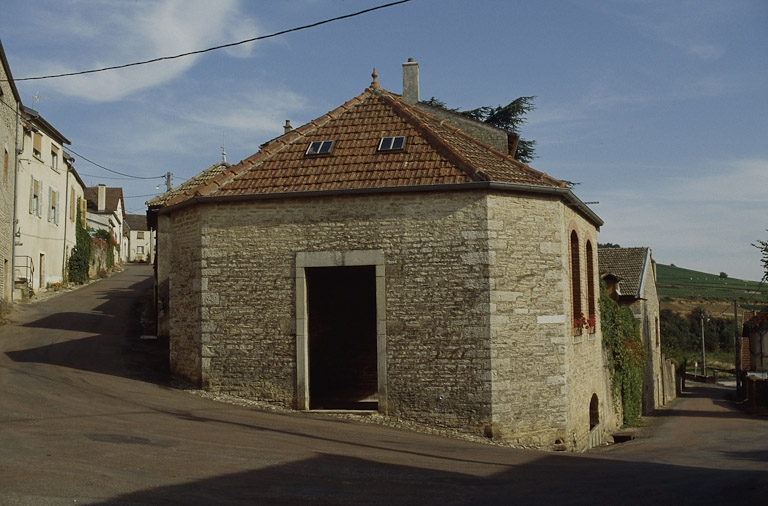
x: 87, y: 417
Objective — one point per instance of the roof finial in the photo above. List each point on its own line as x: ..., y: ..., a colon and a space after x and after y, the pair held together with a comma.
x: 375, y: 84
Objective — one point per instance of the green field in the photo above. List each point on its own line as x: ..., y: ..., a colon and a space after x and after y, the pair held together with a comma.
x: 678, y: 283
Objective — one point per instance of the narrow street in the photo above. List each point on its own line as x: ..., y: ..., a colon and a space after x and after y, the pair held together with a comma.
x: 87, y: 416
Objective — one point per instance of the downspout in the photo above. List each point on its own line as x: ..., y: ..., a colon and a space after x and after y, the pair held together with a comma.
x: 17, y: 151
x: 66, y: 207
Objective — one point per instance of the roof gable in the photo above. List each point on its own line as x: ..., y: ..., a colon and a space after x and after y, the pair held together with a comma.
x: 113, y: 201
x: 628, y: 265
x: 436, y: 153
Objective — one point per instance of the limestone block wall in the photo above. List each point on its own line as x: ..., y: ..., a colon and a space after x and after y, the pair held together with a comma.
x: 476, y: 297
x: 587, y: 372
x: 648, y: 312
x: 8, y: 128
x: 544, y: 376
x: 185, y: 292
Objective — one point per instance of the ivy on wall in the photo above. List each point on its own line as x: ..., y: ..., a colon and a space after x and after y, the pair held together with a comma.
x: 81, y: 254
x: 626, y: 357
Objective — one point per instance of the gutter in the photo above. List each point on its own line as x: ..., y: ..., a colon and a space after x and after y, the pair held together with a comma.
x: 564, y: 193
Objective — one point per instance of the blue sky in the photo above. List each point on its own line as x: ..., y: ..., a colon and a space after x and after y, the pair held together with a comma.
x: 657, y: 109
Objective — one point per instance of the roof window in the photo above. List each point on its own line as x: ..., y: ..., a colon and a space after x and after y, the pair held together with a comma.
x: 392, y: 143
x: 319, y: 148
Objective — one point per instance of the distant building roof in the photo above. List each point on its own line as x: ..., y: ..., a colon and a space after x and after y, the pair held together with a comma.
x: 628, y: 265
x: 114, y: 196
x: 136, y: 221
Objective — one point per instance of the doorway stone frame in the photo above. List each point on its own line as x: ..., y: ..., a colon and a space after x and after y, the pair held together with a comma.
x: 352, y: 258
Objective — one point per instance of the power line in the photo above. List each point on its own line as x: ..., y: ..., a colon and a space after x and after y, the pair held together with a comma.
x: 130, y: 176
x: 215, y: 48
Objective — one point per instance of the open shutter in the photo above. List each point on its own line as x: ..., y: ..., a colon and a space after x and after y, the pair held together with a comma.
x: 39, y: 193
x: 56, y: 214
x: 32, y: 184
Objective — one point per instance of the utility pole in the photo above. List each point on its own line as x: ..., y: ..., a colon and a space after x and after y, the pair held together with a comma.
x: 703, y: 351
x: 737, y: 348
x: 168, y: 181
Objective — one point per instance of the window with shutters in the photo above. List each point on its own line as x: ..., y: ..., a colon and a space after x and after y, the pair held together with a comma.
x: 54, y: 158
x: 53, y: 206
x: 35, y: 197
x: 37, y: 145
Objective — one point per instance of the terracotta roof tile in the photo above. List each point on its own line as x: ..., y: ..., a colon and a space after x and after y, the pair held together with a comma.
x: 436, y: 153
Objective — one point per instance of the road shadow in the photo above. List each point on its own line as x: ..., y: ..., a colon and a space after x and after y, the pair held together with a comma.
x: 109, y: 338
x: 341, y: 480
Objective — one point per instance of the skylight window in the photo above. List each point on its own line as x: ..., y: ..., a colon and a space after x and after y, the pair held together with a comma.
x: 392, y: 143
x: 319, y: 148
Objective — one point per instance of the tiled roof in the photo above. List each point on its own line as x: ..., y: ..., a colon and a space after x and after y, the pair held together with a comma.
x: 436, y: 153
x: 113, y: 197
x: 191, y: 183
x: 136, y: 221
x: 628, y: 264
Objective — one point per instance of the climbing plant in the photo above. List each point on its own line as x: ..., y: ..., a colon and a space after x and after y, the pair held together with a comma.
x: 626, y: 358
x: 104, y: 239
x: 81, y: 254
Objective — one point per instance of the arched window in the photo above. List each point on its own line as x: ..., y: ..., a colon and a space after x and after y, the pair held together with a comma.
x: 594, y: 412
x: 591, y: 313
x: 578, y: 316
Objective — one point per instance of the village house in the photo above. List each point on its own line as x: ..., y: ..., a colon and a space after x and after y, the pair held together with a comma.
x: 140, y: 244
x: 630, y: 276
x: 106, y: 211
x: 386, y: 257
x: 47, y: 191
x: 10, y: 104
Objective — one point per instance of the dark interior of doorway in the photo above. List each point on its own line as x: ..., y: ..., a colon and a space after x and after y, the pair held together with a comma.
x: 341, y: 304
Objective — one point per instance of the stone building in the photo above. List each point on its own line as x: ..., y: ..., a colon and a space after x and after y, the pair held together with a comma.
x: 379, y: 257
x: 106, y: 211
x: 633, y: 272
x: 10, y: 104
x: 141, y: 242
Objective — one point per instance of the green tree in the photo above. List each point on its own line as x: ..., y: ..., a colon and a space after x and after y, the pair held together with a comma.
x: 510, y: 117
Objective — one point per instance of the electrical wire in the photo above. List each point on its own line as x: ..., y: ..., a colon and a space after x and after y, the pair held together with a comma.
x: 215, y: 48
x: 130, y: 176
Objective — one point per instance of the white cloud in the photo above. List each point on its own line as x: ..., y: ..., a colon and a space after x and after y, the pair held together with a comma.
x: 108, y: 34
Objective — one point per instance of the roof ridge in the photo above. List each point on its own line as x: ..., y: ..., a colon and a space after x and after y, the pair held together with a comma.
x: 398, y: 100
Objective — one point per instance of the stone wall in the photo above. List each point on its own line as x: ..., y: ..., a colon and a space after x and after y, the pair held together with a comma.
x: 185, y: 301
x: 8, y: 129
x: 476, y: 299
x: 647, y: 312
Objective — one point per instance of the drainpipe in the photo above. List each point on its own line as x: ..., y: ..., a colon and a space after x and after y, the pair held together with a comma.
x: 66, y: 208
x: 16, y: 152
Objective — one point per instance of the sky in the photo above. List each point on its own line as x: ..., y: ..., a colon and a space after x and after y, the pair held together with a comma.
x: 656, y: 109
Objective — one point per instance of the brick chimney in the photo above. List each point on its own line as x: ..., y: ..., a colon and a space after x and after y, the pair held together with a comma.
x: 411, y: 81
x: 102, y: 198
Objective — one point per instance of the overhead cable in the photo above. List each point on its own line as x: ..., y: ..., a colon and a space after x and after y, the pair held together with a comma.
x: 215, y: 48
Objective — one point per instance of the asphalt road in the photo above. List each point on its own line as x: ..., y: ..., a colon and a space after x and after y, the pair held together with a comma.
x: 87, y: 417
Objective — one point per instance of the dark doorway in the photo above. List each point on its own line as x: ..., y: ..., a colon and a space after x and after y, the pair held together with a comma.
x: 341, y: 309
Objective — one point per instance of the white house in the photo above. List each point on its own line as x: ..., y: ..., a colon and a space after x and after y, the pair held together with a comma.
x: 47, y: 191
